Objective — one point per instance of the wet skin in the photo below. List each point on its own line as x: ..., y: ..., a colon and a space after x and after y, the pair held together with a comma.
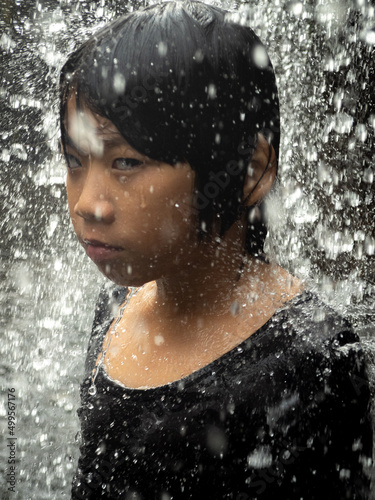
x: 135, y: 218
x: 129, y: 212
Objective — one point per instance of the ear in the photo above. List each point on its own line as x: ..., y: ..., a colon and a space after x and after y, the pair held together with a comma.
x: 261, y: 172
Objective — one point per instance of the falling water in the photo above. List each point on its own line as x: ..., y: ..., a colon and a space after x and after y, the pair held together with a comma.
x: 322, y: 214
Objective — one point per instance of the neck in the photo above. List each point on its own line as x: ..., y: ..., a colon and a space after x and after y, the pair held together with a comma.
x: 206, y: 282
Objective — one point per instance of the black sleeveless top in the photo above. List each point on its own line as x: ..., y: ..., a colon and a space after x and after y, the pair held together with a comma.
x: 282, y: 416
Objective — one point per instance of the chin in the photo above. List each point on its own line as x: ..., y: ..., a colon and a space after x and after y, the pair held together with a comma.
x: 124, y: 278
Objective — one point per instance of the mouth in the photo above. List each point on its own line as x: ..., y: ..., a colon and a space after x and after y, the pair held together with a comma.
x: 99, y: 251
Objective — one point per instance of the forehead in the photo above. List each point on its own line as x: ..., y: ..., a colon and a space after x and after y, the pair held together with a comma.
x: 87, y: 131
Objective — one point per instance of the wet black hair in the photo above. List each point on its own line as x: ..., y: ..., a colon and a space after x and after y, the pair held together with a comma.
x: 181, y: 82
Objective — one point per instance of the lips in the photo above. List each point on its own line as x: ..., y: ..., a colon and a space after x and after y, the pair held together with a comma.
x: 99, y: 251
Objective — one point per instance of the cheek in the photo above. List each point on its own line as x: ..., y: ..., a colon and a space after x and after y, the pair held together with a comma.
x: 179, y: 224
x: 171, y: 231
x: 176, y: 229
x: 72, y: 197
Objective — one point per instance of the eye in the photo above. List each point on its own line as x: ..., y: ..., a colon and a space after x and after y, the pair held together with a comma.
x: 72, y: 162
x: 126, y: 163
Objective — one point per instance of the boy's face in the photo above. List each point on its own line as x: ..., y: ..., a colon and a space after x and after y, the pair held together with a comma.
x: 133, y: 215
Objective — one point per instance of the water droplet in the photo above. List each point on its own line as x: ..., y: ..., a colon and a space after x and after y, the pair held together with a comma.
x: 162, y: 49
x: 92, y: 390
x: 235, y: 308
x: 100, y: 449
x: 370, y: 245
x: 198, y: 56
x: 119, y: 83
x: 260, y: 458
x: 260, y: 56
x: 296, y: 8
x: 159, y: 340
x: 211, y: 91
x: 368, y: 36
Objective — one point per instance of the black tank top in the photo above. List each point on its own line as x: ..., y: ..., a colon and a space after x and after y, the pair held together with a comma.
x: 282, y: 416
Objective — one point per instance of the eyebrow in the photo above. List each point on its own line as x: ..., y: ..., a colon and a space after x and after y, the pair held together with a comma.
x: 68, y: 141
x: 109, y: 141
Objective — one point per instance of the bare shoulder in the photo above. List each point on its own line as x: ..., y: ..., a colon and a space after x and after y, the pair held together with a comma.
x: 264, y: 289
x: 284, y: 285
x: 270, y: 284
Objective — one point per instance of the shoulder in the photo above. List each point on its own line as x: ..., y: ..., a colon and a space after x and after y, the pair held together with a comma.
x: 325, y: 373
x: 309, y: 353
x: 307, y: 324
x: 318, y: 344
x: 312, y: 368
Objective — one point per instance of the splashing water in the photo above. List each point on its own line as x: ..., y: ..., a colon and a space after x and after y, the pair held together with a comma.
x: 322, y: 214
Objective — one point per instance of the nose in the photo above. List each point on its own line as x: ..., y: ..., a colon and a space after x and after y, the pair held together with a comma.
x: 94, y: 202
